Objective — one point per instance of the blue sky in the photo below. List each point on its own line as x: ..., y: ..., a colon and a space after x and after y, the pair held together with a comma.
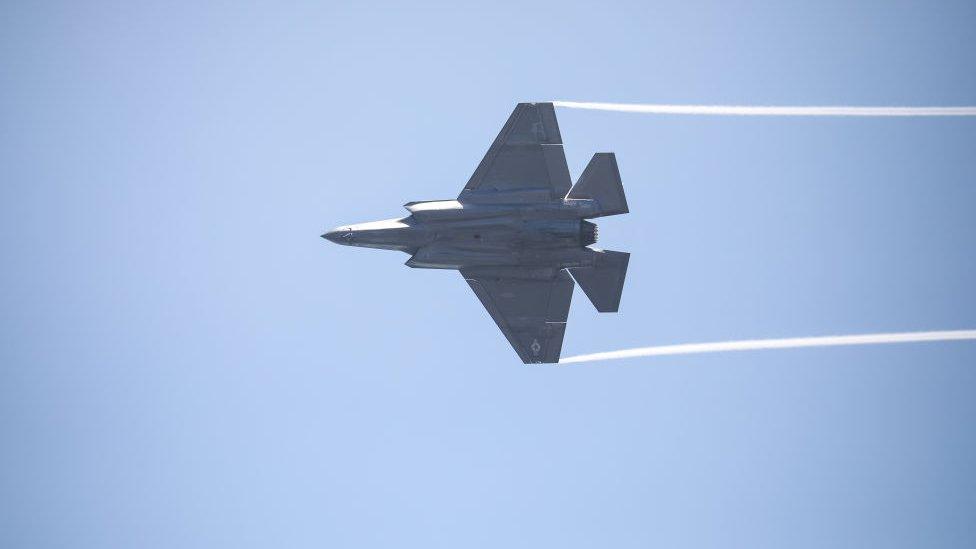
x: 185, y: 363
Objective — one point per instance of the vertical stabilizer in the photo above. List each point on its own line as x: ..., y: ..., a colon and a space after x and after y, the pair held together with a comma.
x: 601, y: 183
x: 604, y: 281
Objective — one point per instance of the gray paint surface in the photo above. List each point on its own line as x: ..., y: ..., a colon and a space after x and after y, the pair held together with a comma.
x: 515, y: 232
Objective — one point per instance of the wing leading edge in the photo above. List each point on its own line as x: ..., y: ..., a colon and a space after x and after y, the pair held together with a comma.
x: 527, y: 156
x: 530, y: 311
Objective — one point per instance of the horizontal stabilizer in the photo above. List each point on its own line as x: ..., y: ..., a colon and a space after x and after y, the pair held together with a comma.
x: 601, y: 183
x: 604, y: 281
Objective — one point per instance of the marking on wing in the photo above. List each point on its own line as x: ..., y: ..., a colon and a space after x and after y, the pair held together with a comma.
x: 539, y: 130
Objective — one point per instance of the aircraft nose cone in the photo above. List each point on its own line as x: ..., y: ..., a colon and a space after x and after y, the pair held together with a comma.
x: 339, y: 236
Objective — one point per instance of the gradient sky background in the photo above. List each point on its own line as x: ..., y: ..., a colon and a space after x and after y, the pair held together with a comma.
x: 185, y: 363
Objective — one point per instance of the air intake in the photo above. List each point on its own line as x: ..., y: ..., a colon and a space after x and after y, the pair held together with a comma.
x: 588, y: 233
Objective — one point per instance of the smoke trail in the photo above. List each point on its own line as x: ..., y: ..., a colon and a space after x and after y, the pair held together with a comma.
x: 788, y: 343
x: 738, y: 110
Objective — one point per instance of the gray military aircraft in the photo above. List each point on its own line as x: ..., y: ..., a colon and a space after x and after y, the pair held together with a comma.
x: 515, y: 231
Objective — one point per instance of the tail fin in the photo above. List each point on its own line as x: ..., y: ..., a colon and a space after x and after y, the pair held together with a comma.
x: 600, y: 182
x: 604, y: 281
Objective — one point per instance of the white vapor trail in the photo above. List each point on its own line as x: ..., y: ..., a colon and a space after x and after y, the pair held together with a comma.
x: 787, y: 343
x: 740, y: 110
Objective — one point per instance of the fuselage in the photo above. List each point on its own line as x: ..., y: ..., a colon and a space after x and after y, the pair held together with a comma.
x: 448, y: 234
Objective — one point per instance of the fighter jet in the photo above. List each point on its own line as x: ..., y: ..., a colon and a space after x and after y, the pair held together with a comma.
x: 518, y: 233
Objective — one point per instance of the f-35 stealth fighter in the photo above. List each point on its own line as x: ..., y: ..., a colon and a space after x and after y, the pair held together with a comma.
x: 516, y: 233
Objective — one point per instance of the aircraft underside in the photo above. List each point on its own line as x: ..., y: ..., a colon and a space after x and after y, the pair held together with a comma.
x: 518, y: 233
